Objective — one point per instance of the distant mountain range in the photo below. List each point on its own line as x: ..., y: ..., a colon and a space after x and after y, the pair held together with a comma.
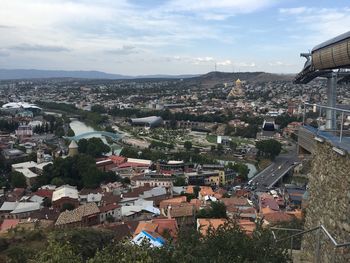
x: 211, y: 77
x: 6, y: 74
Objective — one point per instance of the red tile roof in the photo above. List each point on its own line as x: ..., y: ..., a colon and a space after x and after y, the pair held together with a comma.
x: 117, y: 159
x: 277, y: 217
x: 44, y: 193
x: 132, y: 164
x: 166, y: 225
x: 108, y: 207
x: 8, y: 224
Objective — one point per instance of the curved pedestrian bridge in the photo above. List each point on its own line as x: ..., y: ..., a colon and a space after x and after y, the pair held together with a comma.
x: 114, y: 136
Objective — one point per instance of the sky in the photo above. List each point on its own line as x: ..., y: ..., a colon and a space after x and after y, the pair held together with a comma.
x: 139, y: 37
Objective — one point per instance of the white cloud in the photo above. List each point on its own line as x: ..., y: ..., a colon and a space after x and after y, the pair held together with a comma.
x: 293, y: 11
x: 218, y: 10
x: 315, y: 25
x: 224, y: 63
x: 203, y: 60
x: 124, y: 50
x: 280, y: 64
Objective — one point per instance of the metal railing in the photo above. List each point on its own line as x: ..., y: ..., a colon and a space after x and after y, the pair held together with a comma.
x: 320, y: 229
x: 343, y: 112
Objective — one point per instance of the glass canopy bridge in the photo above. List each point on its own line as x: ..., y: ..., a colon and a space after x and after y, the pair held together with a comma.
x: 113, y: 136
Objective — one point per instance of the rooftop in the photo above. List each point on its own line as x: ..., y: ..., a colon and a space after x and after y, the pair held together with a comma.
x: 65, y: 191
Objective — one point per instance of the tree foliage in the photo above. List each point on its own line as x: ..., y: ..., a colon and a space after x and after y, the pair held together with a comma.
x: 228, y: 243
x: 269, y: 148
x: 188, y: 145
x: 216, y: 210
x: 79, y: 170
x: 94, y: 147
x: 18, y: 180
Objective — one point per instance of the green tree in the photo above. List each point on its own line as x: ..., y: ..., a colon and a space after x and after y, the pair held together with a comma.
x: 67, y: 206
x: 188, y: 145
x: 85, y: 241
x: 94, y: 147
x: 220, y: 148
x: 70, y: 133
x: 196, y: 190
x: 270, y: 148
x: 232, y: 145
x: 58, y: 253
x: 180, y: 181
x: 216, y: 210
x: 18, y: 180
x: 109, y: 129
x: 98, y: 109
x: 57, y: 181
x: 242, y: 170
x: 18, y: 254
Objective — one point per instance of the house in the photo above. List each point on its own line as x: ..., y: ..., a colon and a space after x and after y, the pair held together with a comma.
x: 267, y: 200
x: 110, y: 187
x: 166, y: 226
x: 63, y: 195
x: 184, y: 213
x: 18, y: 209
x: 30, y: 170
x: 203, y: 191
x: 15, y: 195
x: 84, y: 215
x: 111, y: 210
x: 275, y: 217
x: 172, y: 201
x: 117, y: 159
x: 153, y: 181
x: 154, y: 239
x: 139, y: 212
x: 120, y: 230
x: 105, y: 165
x: 204, y: 224
x: 162, y: 226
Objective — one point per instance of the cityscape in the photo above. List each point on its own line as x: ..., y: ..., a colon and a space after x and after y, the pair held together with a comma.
x: 167, y: 157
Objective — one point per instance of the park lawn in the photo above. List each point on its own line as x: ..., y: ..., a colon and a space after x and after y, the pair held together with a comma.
x: 211, y: 138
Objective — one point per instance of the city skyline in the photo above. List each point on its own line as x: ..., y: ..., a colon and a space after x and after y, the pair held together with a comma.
x: 166, y: 37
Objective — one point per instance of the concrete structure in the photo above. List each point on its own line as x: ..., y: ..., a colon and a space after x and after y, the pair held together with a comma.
x: 151, y: 122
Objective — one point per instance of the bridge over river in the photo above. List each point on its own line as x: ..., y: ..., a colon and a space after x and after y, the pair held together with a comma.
x: 114, y: 136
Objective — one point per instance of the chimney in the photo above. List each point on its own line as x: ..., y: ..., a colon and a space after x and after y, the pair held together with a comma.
x: 169, y: 215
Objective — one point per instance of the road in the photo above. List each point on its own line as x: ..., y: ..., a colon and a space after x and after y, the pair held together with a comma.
x: 274, y: 172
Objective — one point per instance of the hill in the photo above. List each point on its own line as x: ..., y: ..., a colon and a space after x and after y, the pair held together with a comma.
x: 247, y: 76
x: 6, y: 74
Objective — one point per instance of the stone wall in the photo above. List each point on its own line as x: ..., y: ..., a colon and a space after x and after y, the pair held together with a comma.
x: 329, y: 203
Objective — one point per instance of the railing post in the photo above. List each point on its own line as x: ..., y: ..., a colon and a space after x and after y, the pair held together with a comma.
x: 304, y: 113
x: 318, y: 245
x: 291, y: 248
x: 341, y: 127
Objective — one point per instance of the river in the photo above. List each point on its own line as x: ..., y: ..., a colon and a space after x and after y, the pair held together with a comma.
x: 80, y: 127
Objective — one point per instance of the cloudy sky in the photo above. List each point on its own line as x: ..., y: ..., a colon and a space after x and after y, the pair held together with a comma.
x: 138, y: 37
